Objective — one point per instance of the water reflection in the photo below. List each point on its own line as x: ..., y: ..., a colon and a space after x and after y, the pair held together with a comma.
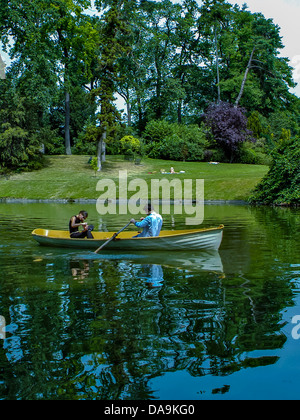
x: 119, y: 326
x: 153, y: 275
x: 79, y: 269
x: 151, y: 264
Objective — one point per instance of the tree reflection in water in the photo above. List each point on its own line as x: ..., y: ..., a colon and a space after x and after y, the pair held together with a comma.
x: 103, y: 328
x: 86, y: 327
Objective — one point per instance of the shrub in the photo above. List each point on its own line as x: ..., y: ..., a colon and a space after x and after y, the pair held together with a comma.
x: 174, y: 141
x: 157, y: 130
x: 130, y: 145
x: 254, y: 153
x: 94, y: 164
x: 175, y: 148
x: 87, y: 141
x: 281, y: 185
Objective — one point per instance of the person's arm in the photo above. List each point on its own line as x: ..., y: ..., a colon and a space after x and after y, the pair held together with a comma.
x: 143, y: 223
x: 74, y: 225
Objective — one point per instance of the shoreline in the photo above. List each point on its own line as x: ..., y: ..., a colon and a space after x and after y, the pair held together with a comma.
x: 117, y: 201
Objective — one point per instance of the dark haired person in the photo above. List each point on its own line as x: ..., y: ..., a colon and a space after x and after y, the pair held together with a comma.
x: 76, y: 222
x: 151, y: 224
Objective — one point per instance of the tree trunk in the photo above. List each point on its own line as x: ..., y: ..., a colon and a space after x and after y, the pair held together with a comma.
x: 67, y: 124
x: 244, y: 79
x: 100, y: 149
x: 217, y: 63
x: 128, y: 113
x: 140, y: 113
x: 179, y: 112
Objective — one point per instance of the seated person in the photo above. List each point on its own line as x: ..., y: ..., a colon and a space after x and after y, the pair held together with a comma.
x: 77, y: 221
x: 151, y: 224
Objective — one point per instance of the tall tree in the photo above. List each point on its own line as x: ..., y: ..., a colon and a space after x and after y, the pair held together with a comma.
x: 52, y: 45
x: 112, y: 45
x: 75, y: 41
x: 254, y: 75
x: 214, y: 25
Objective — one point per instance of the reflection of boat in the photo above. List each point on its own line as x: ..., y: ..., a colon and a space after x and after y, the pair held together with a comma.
x: 201, y: 261
x: 186, y: 240
x: 198, y: 261
x: 209, y: 260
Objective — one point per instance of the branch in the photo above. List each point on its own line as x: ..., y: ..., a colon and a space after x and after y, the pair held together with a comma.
x: 244, y: 79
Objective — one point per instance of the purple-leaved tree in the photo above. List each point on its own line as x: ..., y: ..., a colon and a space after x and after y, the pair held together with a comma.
x: 229, y: 127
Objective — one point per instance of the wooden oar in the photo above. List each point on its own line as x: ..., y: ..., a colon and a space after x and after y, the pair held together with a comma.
x: 112, y: 238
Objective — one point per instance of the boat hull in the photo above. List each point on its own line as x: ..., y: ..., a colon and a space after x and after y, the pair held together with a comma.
x: 168, y: 240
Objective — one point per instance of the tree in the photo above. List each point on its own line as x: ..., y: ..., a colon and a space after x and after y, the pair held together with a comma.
x: 167, y: 60
x: 154, y: 66
x: 74, y: 40
x: 19, y: 147
x: 112, y: 44
x: 256, y: 76
x: 229, y: 127
x: 53, y: 45
x: 214, y: 23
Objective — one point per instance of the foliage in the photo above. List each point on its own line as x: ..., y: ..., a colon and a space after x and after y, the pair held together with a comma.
x: 281, y: 185
x: 254, y: 153
x: 229, y: 127
x: 87, y: 141
x: 130, y: 146
x: 255, y: 124
x: 52, y: 47
x: 175, y: 141
x: 157, y: 130
x: 176, y: 148
x: 94, y: 164
x: 283, y: 120
x: 167, y: 60
x: 53, y: 143
x: 19, y: 146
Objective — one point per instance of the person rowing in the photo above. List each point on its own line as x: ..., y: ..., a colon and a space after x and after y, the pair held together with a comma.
x: 151, y: 224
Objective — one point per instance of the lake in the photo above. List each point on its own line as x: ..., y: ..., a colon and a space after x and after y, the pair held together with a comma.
x: 135, y: 326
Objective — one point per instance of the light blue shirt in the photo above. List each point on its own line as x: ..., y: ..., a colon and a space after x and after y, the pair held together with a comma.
x: 151, y: 225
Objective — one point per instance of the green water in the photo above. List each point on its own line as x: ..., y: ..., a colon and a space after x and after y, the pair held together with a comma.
x: 151, y: 326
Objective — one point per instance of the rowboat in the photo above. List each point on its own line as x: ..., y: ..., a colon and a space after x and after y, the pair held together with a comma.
x: 175, y: 240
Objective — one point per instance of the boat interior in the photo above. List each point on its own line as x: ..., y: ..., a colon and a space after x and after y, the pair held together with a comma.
x: 64, y: 234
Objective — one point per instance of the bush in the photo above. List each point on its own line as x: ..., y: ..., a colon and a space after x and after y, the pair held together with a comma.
x: 281, y: 185
x: 87, y: 141
x: 130, y: 146
x: 175, y: 148
x: 94, y: 164
x: 157, y: 130
x: 214, y: 155
x: 174, y: 141
x: 55, y: 146
x: 254, y: 153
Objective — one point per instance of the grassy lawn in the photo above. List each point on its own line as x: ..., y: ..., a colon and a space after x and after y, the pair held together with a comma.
x: 71, y: 177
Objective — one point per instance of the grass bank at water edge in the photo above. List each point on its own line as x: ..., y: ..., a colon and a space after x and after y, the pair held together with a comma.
x: 72, y: 178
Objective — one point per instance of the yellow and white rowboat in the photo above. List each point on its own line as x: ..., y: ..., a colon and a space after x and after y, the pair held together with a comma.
x: 168, y: 240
